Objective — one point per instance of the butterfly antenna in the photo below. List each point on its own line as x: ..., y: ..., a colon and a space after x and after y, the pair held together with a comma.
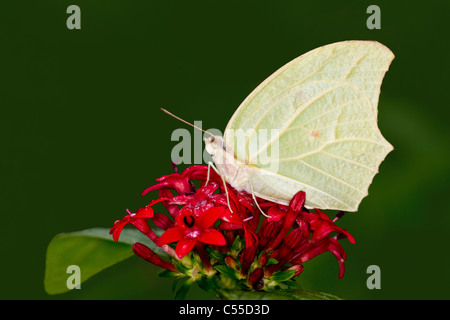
x: 182, y: 120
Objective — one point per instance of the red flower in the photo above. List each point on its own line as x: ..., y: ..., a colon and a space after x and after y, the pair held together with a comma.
x: 138, y: 219
x: 180, y: 182
x: 174, y: 181
x: 290, y: 236
x: 295, y: 207
x: 199, y: 200
x: 321, y: 227
x: 191, y: 229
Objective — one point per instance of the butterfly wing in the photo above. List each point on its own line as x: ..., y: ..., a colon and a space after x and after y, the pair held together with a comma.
x: 321, y: 112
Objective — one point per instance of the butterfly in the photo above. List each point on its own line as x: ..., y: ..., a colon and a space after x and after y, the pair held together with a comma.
x: 310, y: 126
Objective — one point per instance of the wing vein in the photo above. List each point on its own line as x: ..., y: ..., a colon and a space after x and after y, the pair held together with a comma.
x: 353, y: 66
x: 289, y: 122
x: 347, y: 160
x: 306, y: 184
x: 331, y: 176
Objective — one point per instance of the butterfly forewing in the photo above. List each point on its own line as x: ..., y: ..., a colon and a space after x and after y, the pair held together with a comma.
x: 318, y: 115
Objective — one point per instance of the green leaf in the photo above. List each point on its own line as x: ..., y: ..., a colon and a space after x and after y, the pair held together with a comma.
x: 227, y: 271
x: 283, y: 275
x: 180, y: 267
x: 175, y: 282
x: 312, y: 295
x: 183, y: 290
x: 238, y: 244
x: 271, y: 261
x: 92, y: 250
x: 215, y: 254
x: 252, y: 295
x: 207, y: 284
x: 280, y: 295
x: 168, y: 274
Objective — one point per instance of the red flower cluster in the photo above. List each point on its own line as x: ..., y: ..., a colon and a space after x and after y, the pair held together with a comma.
x: 217, y: 215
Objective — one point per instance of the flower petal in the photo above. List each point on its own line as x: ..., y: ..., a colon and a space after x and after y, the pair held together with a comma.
x: 200, y: 172
x: 230, y: 226
x: 275, y: 213
x: 245, y: 201
x: 251, y: 239
x: 117, y: 229
x: 209, y: 217
x: 142, y: 226
x: 206, y: 191
x: 288, y: 221
x: 336, y: 249
x: 172, y: 209
x: 182, y: 200
x: 234, y: 218
x: 195, y: 172
x: 171, y: 235
x: 184, y: 247
x: 219, y: 199
x: 155, y: 187
x: 212, y: 236
x: 157, y: 201
x: 202, y: 207
x: 162, y: 221
x: 174, y: 181
x: 144, y: 212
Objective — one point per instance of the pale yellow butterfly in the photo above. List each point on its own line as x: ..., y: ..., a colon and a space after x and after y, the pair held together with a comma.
x: 321, y: 109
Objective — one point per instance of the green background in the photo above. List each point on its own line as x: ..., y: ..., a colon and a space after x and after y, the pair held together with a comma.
x: 82, y: 134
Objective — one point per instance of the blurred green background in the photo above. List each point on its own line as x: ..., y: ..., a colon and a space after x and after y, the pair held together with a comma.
x: 82, y: 134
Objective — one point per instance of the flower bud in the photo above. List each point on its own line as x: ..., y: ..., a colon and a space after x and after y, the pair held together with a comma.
x: 246, y: 259
x: 255, y: 278
x: 146, y: 253
x: 298, y: 269
x: 229, y: 261
x: 262, y: 260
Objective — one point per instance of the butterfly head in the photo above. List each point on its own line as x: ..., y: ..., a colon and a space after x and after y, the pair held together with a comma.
x: 213, y: 144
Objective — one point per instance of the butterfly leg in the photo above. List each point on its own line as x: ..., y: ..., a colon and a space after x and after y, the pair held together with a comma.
x: 256, y: 202
x: 211, y: 165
